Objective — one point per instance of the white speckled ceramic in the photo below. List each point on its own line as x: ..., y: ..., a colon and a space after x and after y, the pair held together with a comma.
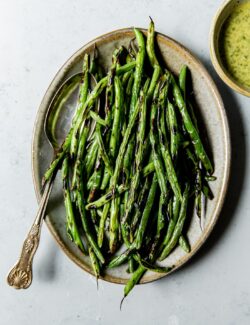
x: 213, y: 115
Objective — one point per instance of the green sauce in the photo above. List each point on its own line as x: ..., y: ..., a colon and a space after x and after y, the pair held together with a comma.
x: 234, y: 44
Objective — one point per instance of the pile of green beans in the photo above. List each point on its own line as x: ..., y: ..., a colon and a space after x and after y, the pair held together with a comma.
x: 131, y: 184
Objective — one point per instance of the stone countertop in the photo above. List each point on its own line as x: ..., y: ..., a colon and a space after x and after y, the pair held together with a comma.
x: 36, y: 38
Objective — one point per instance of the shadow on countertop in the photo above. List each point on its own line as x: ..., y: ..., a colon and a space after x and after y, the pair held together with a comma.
x: 48, y: 268
x: 238, y: 169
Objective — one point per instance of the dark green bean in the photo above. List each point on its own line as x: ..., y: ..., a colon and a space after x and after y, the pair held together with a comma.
x: 146, y: 213
x: 179, y: 225
x: 175, y: 136
x: 114, y: 224
x: 72, y: 229
x: 94, y: 262
x: 139, y: 153
x: 83, y: 111
x: 91, y: 240
x: 140, y: 57
x: 184, y: 244
x: 164, y: 147
x: 102, y: 224
x: 106, y: 198
x: 120, y: 259
x: 189, y: 126
x: 158, y: 164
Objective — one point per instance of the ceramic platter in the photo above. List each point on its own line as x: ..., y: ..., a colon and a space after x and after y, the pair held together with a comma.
x: 213, y: 116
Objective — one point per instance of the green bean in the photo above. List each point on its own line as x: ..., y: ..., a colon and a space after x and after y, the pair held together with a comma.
x: 131, y: 264
x: 160, y: 220
x: 72, y: 229
x: 91, y: 181
x: 55, y: 165
x: 135, y: 278
x: 83, y: 111
x: 210, y: 178
x: 108, y: 103
x: 91, y: 240
x: 182, y: 84
x: 106, y: 198
x: 123, y: 146
x: 95, y: 178
x: 131, y: 144
x: 131, y: 51
x: 192, y: 115
x: 184, y: 244
x: 122, y: 210
x: 97, y: 118
x: 93, y: 62
x: 128, y: 92
x: 152, y: 58
x: 161, y: 176
x: 125, y: 78
x: 151, y: 44
x: 115, y: 133
x: 146, y: 213
x: 110, y: 85
x: 129, y: 86
x: 125, y: 234
x: 94, y: 262
x: 139, y: 207
x: 93, y: 215
x: 207, y: 191
x: 151, y: 267
x: 175, y: 210
x: 179, y: 225
x: 198, y: 187
x: 99, y: 212
x: 125, y: 108
x: 90, y: 158
x: 103, y: 152
x: 137, y: 275
x: 120, y: 259
x: 139, y: 153
x: 154, y: 80
x: 124, y: 227
x: 114, y: 224
x: 102, y: 224
x: 189, y: 126
x: 182, y: 80
x: 80, y: 152
x: 128, y: 156
x: 165, y: 153
x: 149, y: 168
x: 175, y: 137
x: 140, y: 57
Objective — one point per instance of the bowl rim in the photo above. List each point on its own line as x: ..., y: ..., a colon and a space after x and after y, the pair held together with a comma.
x: 87, y: 48
x: 214, y: 57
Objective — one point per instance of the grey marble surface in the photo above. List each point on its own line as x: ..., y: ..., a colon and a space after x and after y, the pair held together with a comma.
x: 36, y: 37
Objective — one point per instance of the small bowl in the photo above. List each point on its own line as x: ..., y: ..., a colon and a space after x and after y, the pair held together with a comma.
x: 220, y: 17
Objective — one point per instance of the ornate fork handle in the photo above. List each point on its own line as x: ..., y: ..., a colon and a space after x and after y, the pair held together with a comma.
x: 20, y: 276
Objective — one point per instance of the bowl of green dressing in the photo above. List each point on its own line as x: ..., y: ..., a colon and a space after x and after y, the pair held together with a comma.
x: 230, y: 44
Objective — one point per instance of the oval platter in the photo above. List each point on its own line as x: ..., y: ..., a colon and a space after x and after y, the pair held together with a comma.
x: 213, y: 116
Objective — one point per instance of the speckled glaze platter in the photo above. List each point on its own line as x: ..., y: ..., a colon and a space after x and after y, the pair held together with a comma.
x: 214, y: 118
